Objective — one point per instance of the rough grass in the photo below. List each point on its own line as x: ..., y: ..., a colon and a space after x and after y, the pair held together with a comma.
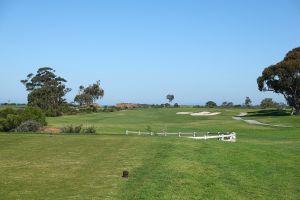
x: 262, y: 164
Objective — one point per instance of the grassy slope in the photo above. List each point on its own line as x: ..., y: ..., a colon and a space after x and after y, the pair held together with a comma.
x: 263, y: 164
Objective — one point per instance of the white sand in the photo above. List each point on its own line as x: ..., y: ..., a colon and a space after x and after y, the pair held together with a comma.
x: 204, y: 113
x: 183, y: 113
x: 242, y: 114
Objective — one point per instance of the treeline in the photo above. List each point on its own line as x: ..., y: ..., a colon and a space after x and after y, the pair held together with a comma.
x: 12, y: 104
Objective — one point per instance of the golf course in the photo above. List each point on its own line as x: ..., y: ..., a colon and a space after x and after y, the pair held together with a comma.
x: 149, y: 100
x: 263, y: 163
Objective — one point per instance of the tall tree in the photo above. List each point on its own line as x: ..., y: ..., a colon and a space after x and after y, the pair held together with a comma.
x: 90, y: 94
x: 170, y: 97
x: 284, y: 78
x: 248, y: 102
x: 46, y: 91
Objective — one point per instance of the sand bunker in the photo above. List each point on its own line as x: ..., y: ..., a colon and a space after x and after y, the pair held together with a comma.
x: 198, y: 113
x: 205, y: 114
x: 184, y: 113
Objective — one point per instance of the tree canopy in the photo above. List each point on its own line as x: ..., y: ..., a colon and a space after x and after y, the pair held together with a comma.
x: 248, y: 102
x: 46, y: 91
x: 89, y: 95
x: 227, y: 104
x: 170, y: 97
x: 211, y: 104
x: 284, y: 78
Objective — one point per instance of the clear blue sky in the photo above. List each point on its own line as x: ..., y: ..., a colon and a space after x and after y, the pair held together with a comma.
x: 143, y: 50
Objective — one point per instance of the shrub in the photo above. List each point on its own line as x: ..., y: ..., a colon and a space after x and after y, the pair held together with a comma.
x: 111, y: 109
x: 3, y: 124
x: 196, y: 106
x: 176, y: 105
x: 70, y: 109
x: 51, y: 112
x: 7, y: 111
x: 78, y: 129
x: 89, y: 129
x: 29, y: 126
x: 10, y: 119
x: 71, y: 129
x: 268, y: 103
x: 34, y: 113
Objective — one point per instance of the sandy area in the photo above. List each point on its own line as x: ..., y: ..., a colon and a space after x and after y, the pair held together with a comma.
x: 204, y: 113
x: 51, y: 130
x: 242, y: 114
x: 184, y: 113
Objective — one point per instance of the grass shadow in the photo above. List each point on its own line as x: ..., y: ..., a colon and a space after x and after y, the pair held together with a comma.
x: 269, y: 113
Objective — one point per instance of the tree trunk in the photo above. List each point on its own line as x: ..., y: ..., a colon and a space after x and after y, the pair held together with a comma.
x: 295, y: 111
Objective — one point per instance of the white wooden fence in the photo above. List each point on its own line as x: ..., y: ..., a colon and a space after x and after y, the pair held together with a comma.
x: 224, y: 136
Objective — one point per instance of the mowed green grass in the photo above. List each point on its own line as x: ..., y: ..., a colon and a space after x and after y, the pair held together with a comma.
x: 262, y: 164
x: 157, y: 119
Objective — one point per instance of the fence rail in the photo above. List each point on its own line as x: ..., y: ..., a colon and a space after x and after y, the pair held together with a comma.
x: 224, y: 136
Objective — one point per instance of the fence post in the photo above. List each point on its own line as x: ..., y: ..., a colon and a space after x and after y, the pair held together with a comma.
x: 126, y: 132
x: 139, y: 132
x: 179, y: 134
x: 165, y: 133
x: 194, y: 134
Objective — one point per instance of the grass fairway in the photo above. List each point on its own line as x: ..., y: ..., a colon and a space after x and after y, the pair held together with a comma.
x: 262, y: 164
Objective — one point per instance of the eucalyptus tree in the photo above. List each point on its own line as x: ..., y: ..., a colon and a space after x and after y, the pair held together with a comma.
x: 46, y: 91
x: 284, y: 78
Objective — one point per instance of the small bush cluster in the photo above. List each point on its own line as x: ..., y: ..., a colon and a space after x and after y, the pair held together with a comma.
x: 176, y: 105
x: 110, y: 109
x: 71, y: 129
x: 11, y: 119
x: 89, y: 129
x: 29, y: 126
x: 78, y: 129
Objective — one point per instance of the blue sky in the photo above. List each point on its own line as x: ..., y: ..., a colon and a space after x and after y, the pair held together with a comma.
x: 143, y: 50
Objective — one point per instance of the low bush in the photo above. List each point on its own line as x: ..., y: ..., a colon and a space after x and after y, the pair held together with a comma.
x: 29, y: 126
x: 10, y: 118
x: 110, y: 109
x: 34, y: 113
x: 70, y: 109
x: 89, y: 129
x: 176, y: 105
x: 71, y: 129
x: 78, y: 129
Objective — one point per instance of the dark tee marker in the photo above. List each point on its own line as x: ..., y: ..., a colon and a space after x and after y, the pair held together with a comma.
x: 125, y: 174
